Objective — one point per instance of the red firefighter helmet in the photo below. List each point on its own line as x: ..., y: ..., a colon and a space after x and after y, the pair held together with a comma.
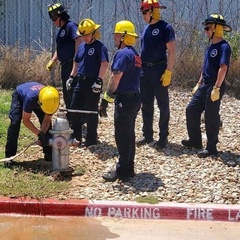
x: 150, y: 4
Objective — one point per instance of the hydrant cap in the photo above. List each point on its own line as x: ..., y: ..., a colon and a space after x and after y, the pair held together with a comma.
x: 49, y: 99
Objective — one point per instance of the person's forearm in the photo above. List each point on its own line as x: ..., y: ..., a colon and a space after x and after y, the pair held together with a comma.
x: 221, y: 75
x: 31, y: 127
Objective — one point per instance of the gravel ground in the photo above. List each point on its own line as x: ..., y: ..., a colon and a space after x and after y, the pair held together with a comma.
x: 174, y: 174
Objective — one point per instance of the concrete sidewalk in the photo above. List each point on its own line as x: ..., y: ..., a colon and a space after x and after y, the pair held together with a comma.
x: 121, y: 209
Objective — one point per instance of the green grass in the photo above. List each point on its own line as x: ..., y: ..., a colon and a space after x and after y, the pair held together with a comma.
x: 149, y: 199
x: 18, y: 181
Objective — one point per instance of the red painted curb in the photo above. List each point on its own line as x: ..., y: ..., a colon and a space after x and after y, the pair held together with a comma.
x: 130, y: 210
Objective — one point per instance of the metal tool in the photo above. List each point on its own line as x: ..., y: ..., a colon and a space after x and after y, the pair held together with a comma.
x: 78, y: 111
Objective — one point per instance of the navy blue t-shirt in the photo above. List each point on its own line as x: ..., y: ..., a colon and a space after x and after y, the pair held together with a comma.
x: 128, y: 61
x: 66, y: 41
x: 89, y: 58
x: 154, y: 39
x: 215, y: 55
x: 28, y: 94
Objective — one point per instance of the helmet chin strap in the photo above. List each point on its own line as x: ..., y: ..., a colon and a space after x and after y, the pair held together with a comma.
x: 92, y: 37
x: 60, y: 22
x: 121, y: 41
x: 213, y: 32
x: 151, y: 12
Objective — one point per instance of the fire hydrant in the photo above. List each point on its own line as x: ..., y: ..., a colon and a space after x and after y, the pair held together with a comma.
x: 60, y: 142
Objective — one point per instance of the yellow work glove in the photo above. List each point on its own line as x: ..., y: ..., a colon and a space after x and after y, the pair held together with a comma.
x: 166, y: 78
x: 196, y: 88
x: 109, y: 97
x: 50, y: 65
x: 215, y: 94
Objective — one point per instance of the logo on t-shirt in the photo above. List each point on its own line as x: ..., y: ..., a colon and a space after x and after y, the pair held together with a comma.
x: 91, y: 51
x: 62, y: 33
x: 155, y: 32
x: 214, y: 53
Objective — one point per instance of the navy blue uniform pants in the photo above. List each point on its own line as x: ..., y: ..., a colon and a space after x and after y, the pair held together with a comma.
x: 200, y: 102
x: 66, y: 68
x: 125, y: 113
x: 85, y: 99
x: 15, y: 115
x: 151, y: 88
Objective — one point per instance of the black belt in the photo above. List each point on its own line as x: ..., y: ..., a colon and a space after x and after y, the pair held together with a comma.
x: 151, y: 64
x: 83, y: 77
x: 128, y: 94
x: 66, y: 61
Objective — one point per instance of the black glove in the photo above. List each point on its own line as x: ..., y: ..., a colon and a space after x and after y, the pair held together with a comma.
x: 97, y: 86
x: 103, y: 108
x: 43, y: 139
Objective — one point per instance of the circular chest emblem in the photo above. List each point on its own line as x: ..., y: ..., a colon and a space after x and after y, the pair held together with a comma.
x: 214, y: 53
x: 155, y: 32
x: 91, y: 51
x: 62, y: 33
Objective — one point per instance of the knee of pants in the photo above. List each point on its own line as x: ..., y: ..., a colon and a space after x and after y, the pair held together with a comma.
x: 189, y: 110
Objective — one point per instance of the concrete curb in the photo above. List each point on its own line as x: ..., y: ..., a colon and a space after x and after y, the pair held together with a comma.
x: 121, y: 209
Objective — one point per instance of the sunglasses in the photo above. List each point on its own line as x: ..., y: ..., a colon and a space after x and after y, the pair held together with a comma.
x: 53, y: 16
x: 145, y: 12
x: 207, y: 28
x: 54, y: 19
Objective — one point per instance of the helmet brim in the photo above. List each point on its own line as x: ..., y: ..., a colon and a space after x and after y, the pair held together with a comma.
x: 97, y: 26
x: 226, y: 27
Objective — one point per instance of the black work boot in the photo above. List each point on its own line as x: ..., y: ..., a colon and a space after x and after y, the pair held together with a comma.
x: 189, y: 144
x: 144, y: 141
x: 206, y: 153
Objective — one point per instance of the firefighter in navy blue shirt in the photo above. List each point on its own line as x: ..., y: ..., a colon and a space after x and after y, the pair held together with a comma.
x: 67, y: 44
x: 158, y: 56
x: 124, y: 86
x: 32, y: 97
x: 208, y: 92
x: 90, y: 66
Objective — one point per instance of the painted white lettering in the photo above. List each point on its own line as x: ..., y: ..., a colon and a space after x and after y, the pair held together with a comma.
x: 190, y: 213
x: 135, y: 213
x: 93, y: 212
x: 118, y: 213
x: 231, y: 216
x: 97, y: 212
x: 156, y: 213
x: 238, y: 215
x: 199, y: 213
x: 147, y: 213
x: 111, y: 211
x: 127, y: 212
x: 209, y: 214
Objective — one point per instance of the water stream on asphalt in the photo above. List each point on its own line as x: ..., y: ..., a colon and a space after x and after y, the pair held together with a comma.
x: 51, y: 228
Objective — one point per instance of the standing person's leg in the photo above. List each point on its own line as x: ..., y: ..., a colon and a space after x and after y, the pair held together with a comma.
x: 125, y: 112
x: 193, y: 119
x: 163, y: 105
x: 78, y: 100
x: 66, y: 69
x: 147, y: 99
x: 126, y: 109
x: 92, y: 100
x: 212, y: 123
x: 15, y: 115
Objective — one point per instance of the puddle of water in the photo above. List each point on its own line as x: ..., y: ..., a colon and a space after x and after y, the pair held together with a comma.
x: 51, y: 228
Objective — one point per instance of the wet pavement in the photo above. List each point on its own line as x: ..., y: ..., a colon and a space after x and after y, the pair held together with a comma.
x: 19, y: 227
